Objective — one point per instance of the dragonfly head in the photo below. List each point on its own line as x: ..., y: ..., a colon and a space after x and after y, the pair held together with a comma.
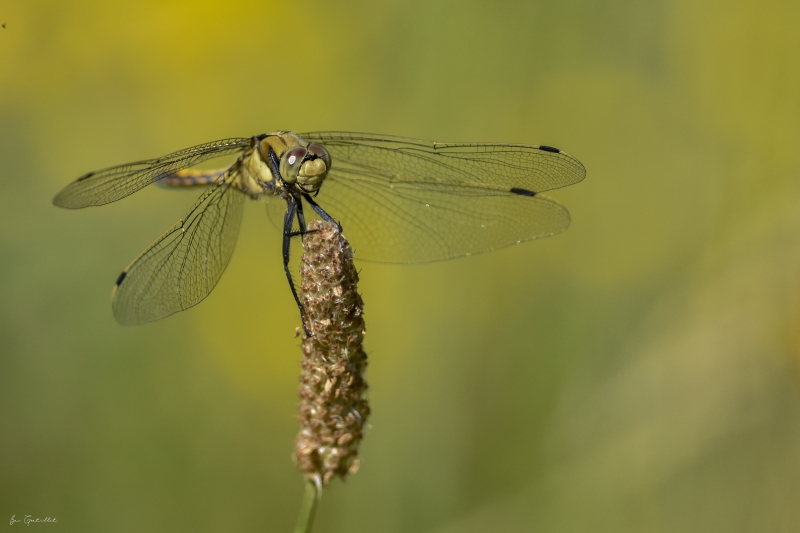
x: 307, y: 166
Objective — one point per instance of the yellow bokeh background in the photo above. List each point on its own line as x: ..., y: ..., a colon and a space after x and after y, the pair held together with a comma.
x: 636, y: 373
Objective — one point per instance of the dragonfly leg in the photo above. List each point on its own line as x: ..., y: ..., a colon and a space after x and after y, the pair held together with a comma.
x: 321, y: 212
x: 301, y: 221
x: 301, y: 218
x: 288, y: 220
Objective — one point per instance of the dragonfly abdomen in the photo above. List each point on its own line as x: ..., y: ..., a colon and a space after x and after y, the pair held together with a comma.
x: 191, y: 177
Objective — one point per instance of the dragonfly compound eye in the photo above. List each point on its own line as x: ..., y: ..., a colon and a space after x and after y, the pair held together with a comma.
x: 320, y: 151
x: 291, y: 161
x: 314, y: 168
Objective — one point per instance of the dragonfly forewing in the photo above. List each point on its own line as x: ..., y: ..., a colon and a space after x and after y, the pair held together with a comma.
x: 111, y: 184
x: 456, y: 168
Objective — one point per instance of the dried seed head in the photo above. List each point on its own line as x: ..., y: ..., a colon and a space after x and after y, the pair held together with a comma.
x: 333, y: 410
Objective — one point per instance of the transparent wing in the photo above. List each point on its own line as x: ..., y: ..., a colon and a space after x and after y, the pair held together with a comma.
x: 182, y: 266
x: 461, y: 168
x: 276, y: 210
x: 410, y: 201
x: 114, y: 183
x: 403, y: 224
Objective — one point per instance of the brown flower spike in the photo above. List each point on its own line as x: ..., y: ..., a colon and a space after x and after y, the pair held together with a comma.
x: 333, y: 410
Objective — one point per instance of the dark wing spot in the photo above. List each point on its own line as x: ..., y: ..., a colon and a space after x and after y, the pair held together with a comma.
x: 549, y: 149
x: 121, y: 277
x: 86, y: 176
x: 522, y: 192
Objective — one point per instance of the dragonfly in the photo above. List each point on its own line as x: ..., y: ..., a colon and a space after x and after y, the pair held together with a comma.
x: 399, y: 200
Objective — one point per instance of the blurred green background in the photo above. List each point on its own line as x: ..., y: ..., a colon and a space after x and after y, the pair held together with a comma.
x: 636, y: 373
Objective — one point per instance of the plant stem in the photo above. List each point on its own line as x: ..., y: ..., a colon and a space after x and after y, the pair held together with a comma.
x: 309, y: 506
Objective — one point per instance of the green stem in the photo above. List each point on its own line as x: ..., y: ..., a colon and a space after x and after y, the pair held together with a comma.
x: 306, y: 518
